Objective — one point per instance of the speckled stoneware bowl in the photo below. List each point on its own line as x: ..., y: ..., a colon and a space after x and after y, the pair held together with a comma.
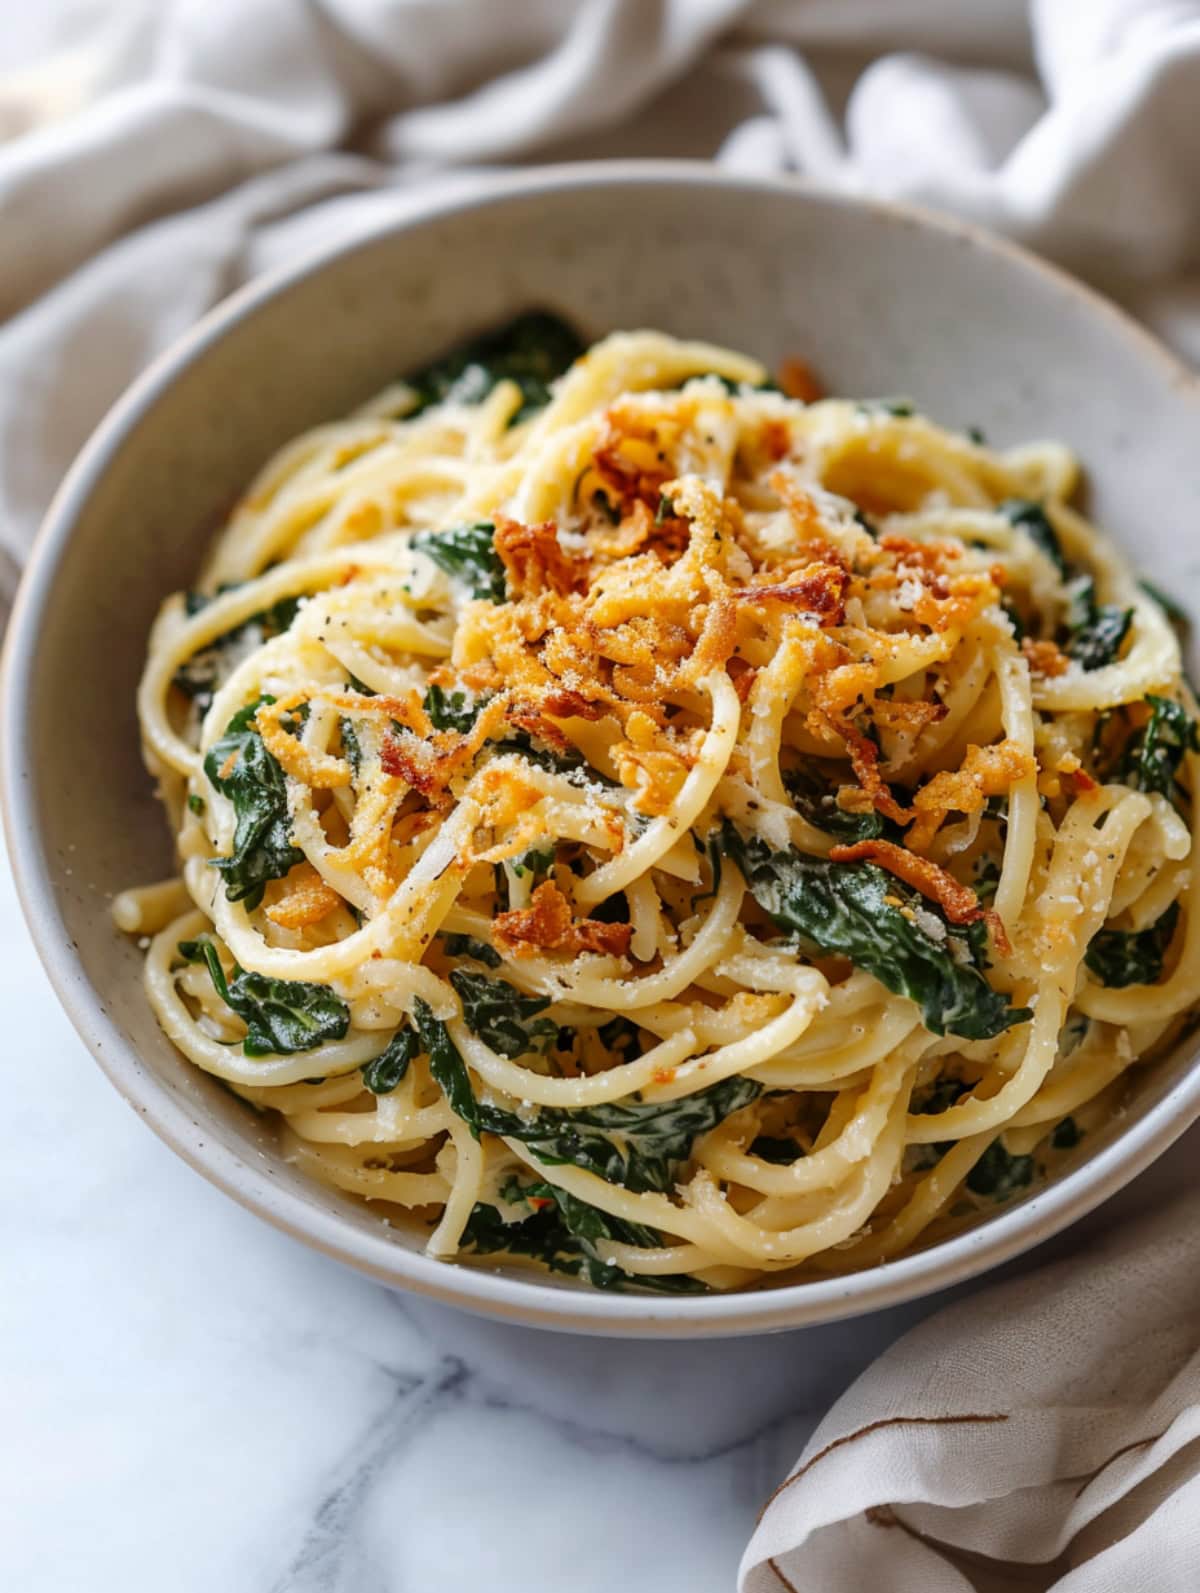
x: 879, y: 300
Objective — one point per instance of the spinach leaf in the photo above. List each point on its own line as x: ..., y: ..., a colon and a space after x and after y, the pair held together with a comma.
x: 1153, y: 755
x: 1073, y: 1033
x: 621, y: 1039
x: 533, y: 350
x: 350, y: 743
x: 446, y: 1064
x: 1032, y: 519
x: 562, y: 1233
x: 538, y: 860
x: 1066, y: 1135
x: 1095, y: 631
x: 842, y: 909
x: 987, y: 878
x: 242, y: 769
x: 570, y: 763
x: 999, y: 1173
x: 200, y: 675
x: 468, y: 946
x: 468, y: 554
x: 817, y: 802
x: 384, y: 1072
x: 451, y: 710
x: 1131, y: 957
x: 942, y: 1094
x: 282, y: 1016
x: 501, y: 1016
x: 638, y: 1145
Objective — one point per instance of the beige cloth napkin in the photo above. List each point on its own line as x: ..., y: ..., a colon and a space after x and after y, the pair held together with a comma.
x: 156, y: 153
x: 1044, y: 1433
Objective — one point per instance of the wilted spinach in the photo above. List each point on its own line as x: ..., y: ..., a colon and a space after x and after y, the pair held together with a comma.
x: 1154, y: 753
x: 1132, y: 957
x: 1033, y: 520
x: 467, y: 946
x: 1094, y: 631
x: 451, y: 710
x: 468, y: 554
x: 636, y: 1144
x: 562, y: 1232
x: 902, y: 408
x: 200, y: 675
x: 999, y: 1173
x: 532, y: 350
x: 242, y: 769
x: 282, y: 1016
x: 501, y: 1016
x: 816, y: 801
x: 1066, y: 1135
x: 842, y: 909
x: 384, y: 1072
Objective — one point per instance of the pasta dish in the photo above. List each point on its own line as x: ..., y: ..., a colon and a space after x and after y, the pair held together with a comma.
x: 651, y: 824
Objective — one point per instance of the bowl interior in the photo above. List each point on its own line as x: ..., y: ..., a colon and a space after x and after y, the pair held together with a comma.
x: 877, y: 301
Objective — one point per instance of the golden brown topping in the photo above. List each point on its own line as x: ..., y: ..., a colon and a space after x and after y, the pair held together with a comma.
x: 906, y: 713
x: 534, y: 561
x: 801, y: 507
x: 986, y: 771
x: 1045, y: 658
x: 307, y: 900
x: 567, y: 704
x: 864, y: 760
x: 775, y: 439
x: 656, y: 773
x: 428, y: 763
x: 546, y: 925
x: 632, y: 459
x: 816, y: 589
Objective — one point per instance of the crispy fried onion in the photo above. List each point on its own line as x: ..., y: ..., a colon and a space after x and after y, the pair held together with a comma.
x: 307, y: 899
x: 1044, y: 657
x: 985, y: 772
x: 536, y: 562
x: 958, y: 901
x: 546, y: 925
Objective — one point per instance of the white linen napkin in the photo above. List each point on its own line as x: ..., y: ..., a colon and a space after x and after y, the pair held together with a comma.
x: 165, y: 150
x: 1044, y: 1433
x: 156, y: 153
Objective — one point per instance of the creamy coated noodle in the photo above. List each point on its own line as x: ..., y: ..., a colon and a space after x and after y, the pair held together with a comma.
x: 646, y: 824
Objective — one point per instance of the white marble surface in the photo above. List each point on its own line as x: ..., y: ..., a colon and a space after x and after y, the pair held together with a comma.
x: 190, y: 1401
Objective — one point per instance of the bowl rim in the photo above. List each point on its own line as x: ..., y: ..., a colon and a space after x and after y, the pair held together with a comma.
x: 475, y: 1288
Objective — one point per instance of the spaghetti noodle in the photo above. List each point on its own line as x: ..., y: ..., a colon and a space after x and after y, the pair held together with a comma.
x: 641, y: 823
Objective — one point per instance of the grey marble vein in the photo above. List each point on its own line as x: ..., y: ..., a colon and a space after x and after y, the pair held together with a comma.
x: 329, y: 1558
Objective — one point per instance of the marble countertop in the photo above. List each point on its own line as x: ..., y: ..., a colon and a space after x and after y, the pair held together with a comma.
x: 195, y: 1402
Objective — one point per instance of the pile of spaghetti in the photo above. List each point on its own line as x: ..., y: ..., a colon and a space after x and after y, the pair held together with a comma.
x: 666, y: 828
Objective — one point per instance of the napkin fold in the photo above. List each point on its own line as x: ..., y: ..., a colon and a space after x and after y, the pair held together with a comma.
x: 166, y: 150
x: 154, y: 154
x: 1044, y: 1433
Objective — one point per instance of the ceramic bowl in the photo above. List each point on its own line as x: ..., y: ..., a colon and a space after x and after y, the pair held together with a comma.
x: 878, y: 300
